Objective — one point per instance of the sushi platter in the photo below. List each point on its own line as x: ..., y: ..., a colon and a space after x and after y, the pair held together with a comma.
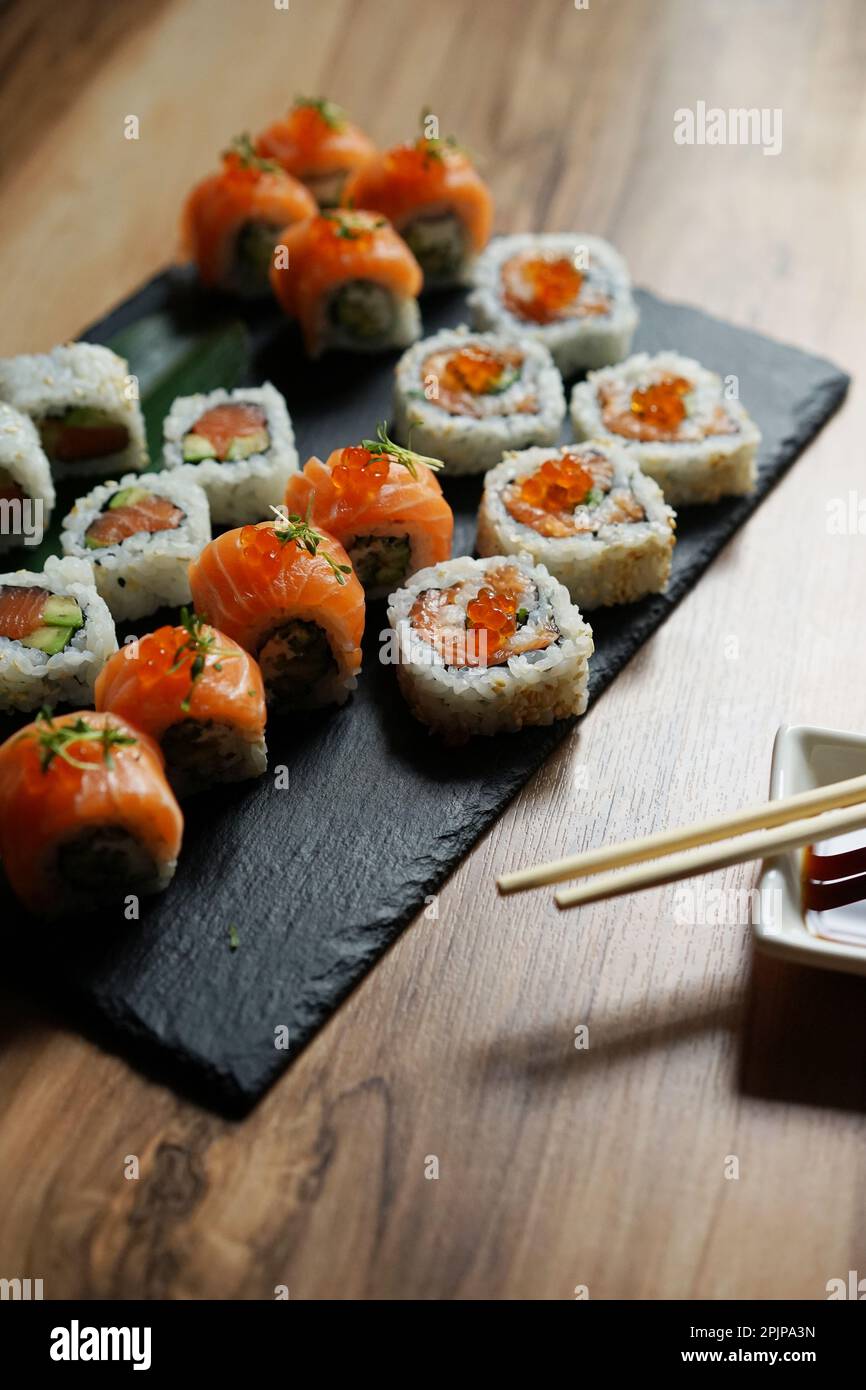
x: 340, y: 576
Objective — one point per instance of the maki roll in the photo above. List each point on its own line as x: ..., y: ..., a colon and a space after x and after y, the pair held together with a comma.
x: 86, y: 815
x: 571, y: 292
x: 351, y: 283
x: 56, y: 634
x: 198, y: 695
x: 289, y: 596
x: 468, y: 397
x: 140, y: 535
x: 26, y: 489
x: 84, y: 404
x: 383, y: 504
x: 233, y: 220
x: 238, y: 445
x: 586, y: 512
x: 489, y: 646
x: 435, y: 199
x: 677, y: 420
x: 318, y: 144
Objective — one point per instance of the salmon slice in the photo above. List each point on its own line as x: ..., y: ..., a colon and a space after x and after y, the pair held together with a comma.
x: 65, y: 443
x: 429, y: 177
x: 21, y: 609
x: 222, y: 424
x: 395, y: 505
x: 315, y: 138
x: 155, y: 685
x: 246, y: 583
x: 117, y: 524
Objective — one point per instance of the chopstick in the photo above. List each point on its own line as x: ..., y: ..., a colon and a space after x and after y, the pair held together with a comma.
x: 758, y: 844
x: 761, y: 817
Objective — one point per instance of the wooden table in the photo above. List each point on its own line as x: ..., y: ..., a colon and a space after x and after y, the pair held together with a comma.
x: 558, y: 1167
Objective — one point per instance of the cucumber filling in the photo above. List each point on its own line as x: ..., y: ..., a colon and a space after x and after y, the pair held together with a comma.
x: 363, y: 310
x: 294, y: 659
x: 380, y: 561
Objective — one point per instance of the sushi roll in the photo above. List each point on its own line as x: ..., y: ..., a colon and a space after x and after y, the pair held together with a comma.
x: 383, y: 504
x: 198, y: 695
x: 238, y: 445
x: 587, y: 513
x: 140, y: 535
x: 233, y: 220
x: 677, y: 420
x: 26, y: 489
x: 469, y: 397
x: 571, y: 292
x: 86, y: 815
x: 318, y: 144
x: 289, y: 596
x: 435, y: 199
x: 489, y: 646
x: 84, y: 404
x: 351, y: 283
x: 56, y: 634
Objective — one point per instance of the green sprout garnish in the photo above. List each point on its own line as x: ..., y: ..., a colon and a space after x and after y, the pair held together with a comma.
x: 593, y: 497
x: 243, y: 147
x: 383, y: 447
x: 234, y: 939
x: 522, y: 615
x: 332, y: 114
x: 291, y: 527
x: 349, y: 229
x: 199, y: 645
x: 55, y: 740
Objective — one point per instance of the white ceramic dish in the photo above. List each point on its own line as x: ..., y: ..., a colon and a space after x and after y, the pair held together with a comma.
x: 803, y: 758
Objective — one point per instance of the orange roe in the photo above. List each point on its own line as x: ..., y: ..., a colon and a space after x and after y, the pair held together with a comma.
x: 474, y: 368
x: 418, y: 163
x: 661, y: 404
x: 559, y: 485
x: 542, y: 289
x: 493, y: 615
x: 359, y: 475
x: 262, y: 550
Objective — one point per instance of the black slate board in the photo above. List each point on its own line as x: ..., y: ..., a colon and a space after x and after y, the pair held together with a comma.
x: 318, y: 879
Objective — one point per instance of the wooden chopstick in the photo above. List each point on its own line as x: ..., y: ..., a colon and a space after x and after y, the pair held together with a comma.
x: 757, y: 844
x: 761, y: 817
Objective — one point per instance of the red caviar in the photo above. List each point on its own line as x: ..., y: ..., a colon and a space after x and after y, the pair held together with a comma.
x: 540, y: 289
x: 493, y: 615
x: 359, y: 475
x: 474, y: 368
x: 661, y: 403
x: 261, y: 549
x: 559, y: 485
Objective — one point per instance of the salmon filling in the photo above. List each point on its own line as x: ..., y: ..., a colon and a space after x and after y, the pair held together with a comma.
x: 468, y: 380
x: 543, y: 289
x: 37, y: 618
x: 81, y: 432
x: 132, y: 511
x: 227, y: 433
x: 472, y: 624
x: 570, y: 496
x: 660, y: 411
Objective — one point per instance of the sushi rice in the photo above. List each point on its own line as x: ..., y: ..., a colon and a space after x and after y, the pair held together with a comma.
x: 575, y: 342
x: 23, y: 465
x: 533, y: 687
x: 611, y: 561
x: 705, y: 464
x: 239, y: 491
x: 82, y: 384
x: 474, y: 434
x: 29, y: 678
x: 146, y: 570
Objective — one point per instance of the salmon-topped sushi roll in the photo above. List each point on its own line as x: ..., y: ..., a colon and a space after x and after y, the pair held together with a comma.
x: 287, y: 593
x: 350, y: 281
x: 199, y: 695
x: 87, y: 817
x: 383, y: 503
x: 317, y: 144
x: 437, y: 201
x: 232, y: 220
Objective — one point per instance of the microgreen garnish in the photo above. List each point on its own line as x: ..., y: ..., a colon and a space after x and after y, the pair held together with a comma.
x: 199, y: 645
x: 234, y: 939
x: 522, y: 615
x: 349, y: 229
x: 242, y: 146
x: 593, y: 497
x: 291, y: 527
x: 332, y: 114
x: 383, y: 447
x: 55, y: 740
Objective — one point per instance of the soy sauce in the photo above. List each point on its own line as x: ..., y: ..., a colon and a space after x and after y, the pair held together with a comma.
x: 834, y: 888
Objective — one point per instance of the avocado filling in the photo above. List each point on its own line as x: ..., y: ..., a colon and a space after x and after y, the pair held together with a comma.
x: 227, y: 433
x: 294, y: 659
x: 81, y: 432
x: 438, y: 245
x: 380, y: 562
x: 363, y: 309
x: 106, y: 861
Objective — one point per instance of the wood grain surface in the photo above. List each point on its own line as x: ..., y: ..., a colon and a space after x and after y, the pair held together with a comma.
x: 609, y: 1166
